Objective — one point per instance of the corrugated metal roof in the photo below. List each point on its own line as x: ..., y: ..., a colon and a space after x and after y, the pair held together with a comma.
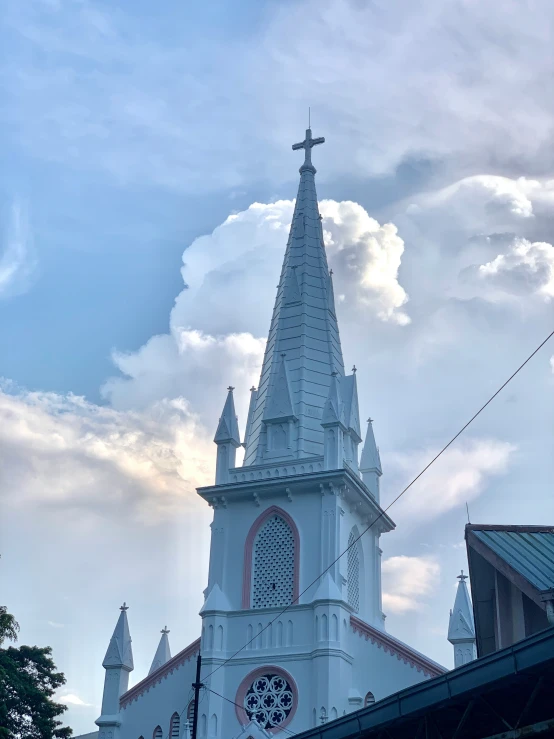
x: 531, y: 553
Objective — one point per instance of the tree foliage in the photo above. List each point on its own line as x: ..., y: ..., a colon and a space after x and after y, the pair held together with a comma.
x: 28, y: 680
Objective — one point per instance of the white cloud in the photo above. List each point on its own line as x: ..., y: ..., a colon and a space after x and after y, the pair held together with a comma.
x: 149, y: 93
x: 17, y: 261
x: 230, y: 277
x: 55, y: 625
x: 525, y: 269
x: 367, y: 258
x: 408, y: 582
x: 460, y: 475
x: 71, y: 699
x: 64, y: 452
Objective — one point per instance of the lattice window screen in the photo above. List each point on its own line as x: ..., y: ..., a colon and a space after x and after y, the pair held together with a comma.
x: 273, y: 560
x: 353, y: 578
x: 158, y: 733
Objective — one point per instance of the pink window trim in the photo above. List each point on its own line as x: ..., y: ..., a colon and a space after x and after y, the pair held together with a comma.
x: 249, y: 546
x: 247, y: 682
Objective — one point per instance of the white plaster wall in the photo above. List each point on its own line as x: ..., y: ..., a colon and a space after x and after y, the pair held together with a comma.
x: 378, y: 671
x: 157, y: 705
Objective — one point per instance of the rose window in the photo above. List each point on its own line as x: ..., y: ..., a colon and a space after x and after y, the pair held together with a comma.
x: 269, y: 700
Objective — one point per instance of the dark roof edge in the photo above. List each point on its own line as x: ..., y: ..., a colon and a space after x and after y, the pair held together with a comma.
x: 516, y: 529
x: 469, y: 678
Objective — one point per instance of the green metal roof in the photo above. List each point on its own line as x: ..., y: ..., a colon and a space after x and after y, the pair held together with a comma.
x: 527, y: 549
x: 501, y: 689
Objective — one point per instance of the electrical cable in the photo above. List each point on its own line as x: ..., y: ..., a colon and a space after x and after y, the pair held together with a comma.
x: 277, y: 726
x: 405, y: 490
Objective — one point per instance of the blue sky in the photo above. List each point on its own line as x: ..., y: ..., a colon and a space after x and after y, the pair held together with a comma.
x: 142, y: 150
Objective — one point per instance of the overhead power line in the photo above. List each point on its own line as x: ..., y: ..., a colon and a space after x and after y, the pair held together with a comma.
x: 405, y: 490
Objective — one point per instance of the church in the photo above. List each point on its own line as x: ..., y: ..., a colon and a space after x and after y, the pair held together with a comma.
x: 293, y: 634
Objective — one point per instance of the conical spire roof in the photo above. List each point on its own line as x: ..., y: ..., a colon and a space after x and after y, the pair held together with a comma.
x: 163, y: 653
x: 370, y: 459
x: 304, y: 326
x: 461, y: 626
x: 120, y: 653
x: 228, y: 427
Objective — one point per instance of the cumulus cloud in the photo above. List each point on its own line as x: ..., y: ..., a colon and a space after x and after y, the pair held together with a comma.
x: 460, y: 475
x: 64, y: 452
x: 525, y: 269
x: 408, y: 582
x: 72, y: 700
x: 17, y: 260
x: 367, y: 257
x: 230, y: 280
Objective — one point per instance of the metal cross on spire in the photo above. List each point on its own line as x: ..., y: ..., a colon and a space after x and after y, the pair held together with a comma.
x: 307, y: 145
x: 462, y: 577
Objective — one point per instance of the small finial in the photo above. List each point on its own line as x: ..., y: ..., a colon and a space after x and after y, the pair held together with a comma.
x: 370, y: 420
x: 230, y: 388
x: 462, y: 577
x: 124, y: 607
x: 252, y: 389
x: 354, y: 370
x: 283, y: 354
x: 334, y: 373
x: 165, y: 630
x: 331, y: 273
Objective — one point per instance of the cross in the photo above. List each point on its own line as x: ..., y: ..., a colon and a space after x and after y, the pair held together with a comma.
x: 124, y: 607
x: 354, y: 369
x: 165, y: 630
x: 230, y: 388
x: 462, y: 577
x: 307, y: 145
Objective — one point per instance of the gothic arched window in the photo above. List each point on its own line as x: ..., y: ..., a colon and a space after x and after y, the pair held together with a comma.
x: 353, y: 574
x: 273, y: 564
x: 175, y: 726
x: 158, y: 733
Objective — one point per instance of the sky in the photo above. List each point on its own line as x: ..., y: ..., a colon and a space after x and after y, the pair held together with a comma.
x: 146, y: 188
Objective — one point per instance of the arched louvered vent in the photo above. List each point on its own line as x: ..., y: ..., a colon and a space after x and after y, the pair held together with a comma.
x: 369, y: 699
x: 175, y: 726
x: 273, y: 564
x: 353, y: 575
x: 190, y: 711
x: 158, y: 733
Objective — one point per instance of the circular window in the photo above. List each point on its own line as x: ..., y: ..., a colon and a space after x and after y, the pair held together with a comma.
x: 267, y: 696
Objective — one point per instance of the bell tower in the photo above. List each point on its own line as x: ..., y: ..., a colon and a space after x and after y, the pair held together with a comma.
x: 297, y: 502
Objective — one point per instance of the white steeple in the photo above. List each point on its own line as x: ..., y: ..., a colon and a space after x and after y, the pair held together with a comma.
x: 118, y: 663
x: 303, y: 347
x: 370, y: 463
x: 163, y: 653
x: 461, y: 627
x: 227, y: 439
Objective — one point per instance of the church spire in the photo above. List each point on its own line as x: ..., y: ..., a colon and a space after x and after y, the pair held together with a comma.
x: 370, y: 463
x: 461, y: 627
x: 118, y: 663
x: 120, y: 653
x: 304, y: 328
x: 163, y: 653
x: 227, y: 439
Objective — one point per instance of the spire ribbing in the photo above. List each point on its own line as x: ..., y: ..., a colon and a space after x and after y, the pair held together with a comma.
x: 304, y: 327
